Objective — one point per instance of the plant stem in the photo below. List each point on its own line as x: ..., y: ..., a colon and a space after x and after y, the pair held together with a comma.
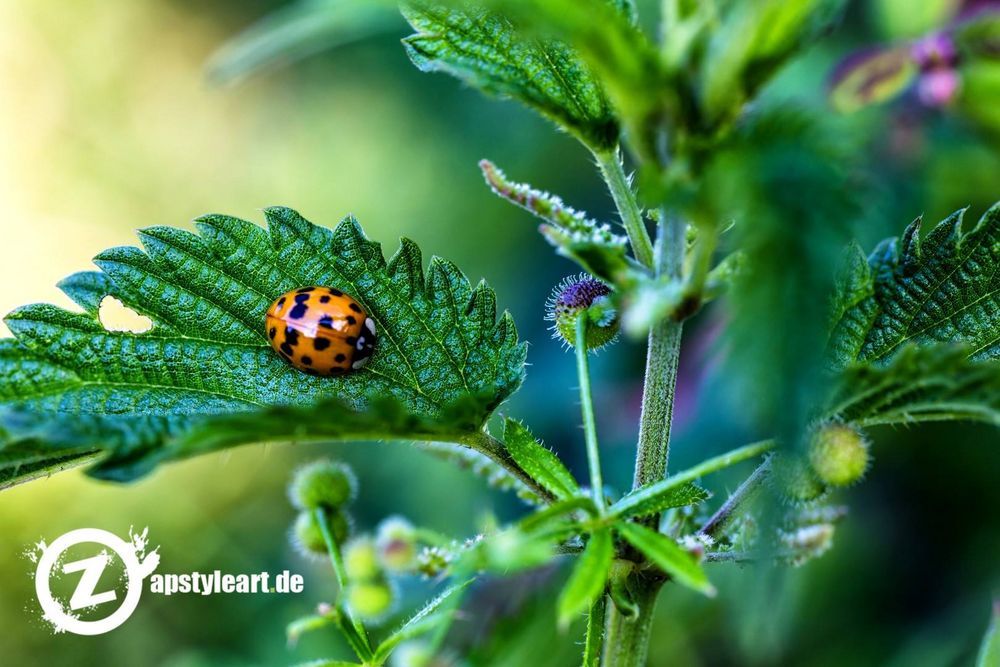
x: 337, y: 559
x: 626, y: 639
x: 610, y: 164
x: 732, y: 507
x: 587, y: 406
x: 493, y: 449
x: 662, y: 359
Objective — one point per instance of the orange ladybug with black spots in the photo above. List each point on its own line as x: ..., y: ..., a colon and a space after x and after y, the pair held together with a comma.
x: 321, y: 331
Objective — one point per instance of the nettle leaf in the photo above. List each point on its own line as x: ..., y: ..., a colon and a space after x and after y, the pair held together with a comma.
x: 540, y: 463
x: 919, y: 384
x: 586, y: 582
x: 485, y: 50
x: 642, y: 503
x: 666, y: 555
x: 942, y: 287
x: 205, y: 377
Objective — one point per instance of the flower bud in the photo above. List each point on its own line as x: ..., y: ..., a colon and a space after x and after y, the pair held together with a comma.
x: 396, y: 542
x: 361, y: 559
x: 307, y: 536
x: 322, y: 483
x: 587, y: 295
x: 433, y: 561
x: 369, y: 600
x: 839, y: 454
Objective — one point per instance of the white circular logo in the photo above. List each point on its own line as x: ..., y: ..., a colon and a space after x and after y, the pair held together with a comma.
x: 91, y: 568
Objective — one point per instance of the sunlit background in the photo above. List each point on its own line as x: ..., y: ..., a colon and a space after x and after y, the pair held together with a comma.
x: 108, y: 123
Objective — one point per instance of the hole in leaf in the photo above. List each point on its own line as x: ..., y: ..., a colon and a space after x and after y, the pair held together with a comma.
x: 116, y: 316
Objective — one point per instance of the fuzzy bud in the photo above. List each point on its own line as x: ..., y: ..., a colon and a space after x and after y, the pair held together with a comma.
x: 795, y: 479
x: 307, y: 536
x: 361, y: 559
x: 583, y: 294
x: 839, y: 454
x: 370, y: 600
x: 396, y: 542
x: 322, y: 483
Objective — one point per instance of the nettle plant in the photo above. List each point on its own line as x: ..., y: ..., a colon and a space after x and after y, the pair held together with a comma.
x: 750, y: 204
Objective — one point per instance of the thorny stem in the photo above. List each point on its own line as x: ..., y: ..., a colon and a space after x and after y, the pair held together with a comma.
x: 587, y: 406
x: 731, y: 509
x: 610, y: 164
x: 662, y: 360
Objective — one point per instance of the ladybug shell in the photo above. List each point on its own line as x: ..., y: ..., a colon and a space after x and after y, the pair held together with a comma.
x: 320, y: 331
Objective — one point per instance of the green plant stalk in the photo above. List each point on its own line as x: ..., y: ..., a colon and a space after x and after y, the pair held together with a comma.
x: 493, y: 449
x: 337, y: 560
x: 626, y: 639
x: 610, y: 164
x: 587, y: 406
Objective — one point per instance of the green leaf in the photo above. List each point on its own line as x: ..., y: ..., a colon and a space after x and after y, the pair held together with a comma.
x: 919, y: 384
x: 205, y: 376
x: 575, y: 236
x: 27, y: 461
x: 872, y: 77
x: 989, y: 652
x: 679, y: 485
x: 540, y: 463
x: 586, y: 582
x: 483, y: 49
x: 942, y: 287
x: 666, y: 555
x: 434, y: 614
x: 594, y: 639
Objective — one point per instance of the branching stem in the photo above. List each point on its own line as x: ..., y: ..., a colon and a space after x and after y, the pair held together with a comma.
x: 587, y: 406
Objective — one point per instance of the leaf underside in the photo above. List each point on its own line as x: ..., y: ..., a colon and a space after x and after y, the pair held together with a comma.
x: 205, y: 376
x: 942, y: 287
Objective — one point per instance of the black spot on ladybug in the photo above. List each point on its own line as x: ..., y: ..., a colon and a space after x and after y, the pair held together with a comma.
x: 335, y: 292
x: 292, y: 336
x: 324, y: 299
x: 351, y: 340
x: 321, y: 344
x: 340, y: 358
x: 305, y: 290
x: 326, y: 321
x: 351, y: 320
x: 281, y: 302
x: 302, y: 298
x: 272, y: 333
x: 355, y: 307
x: 307, y: 360
x: 299, y: 311
x: 287, y: 349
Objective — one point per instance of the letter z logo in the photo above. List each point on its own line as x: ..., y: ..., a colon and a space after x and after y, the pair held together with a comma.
x: 92, y: 568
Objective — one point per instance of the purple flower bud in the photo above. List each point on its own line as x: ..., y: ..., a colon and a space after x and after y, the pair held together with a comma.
x: 583, y: 294
x: 935, y: 52
x: 937, y: 88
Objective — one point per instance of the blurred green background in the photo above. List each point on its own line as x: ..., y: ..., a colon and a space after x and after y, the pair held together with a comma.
x: 108, y: 123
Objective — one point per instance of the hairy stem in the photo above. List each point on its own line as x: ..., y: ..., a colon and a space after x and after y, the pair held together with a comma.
x: 626, y: 638
x: 732, y: 508
x: 662, y: 359
x: 487, y: 445
x: 610, y: 163
x: 587, y: 406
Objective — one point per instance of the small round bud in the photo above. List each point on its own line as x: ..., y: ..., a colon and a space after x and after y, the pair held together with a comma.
x: 397, y: 544
x: 433, y: 561
x: 307, y: 536
x: 370, y: 600
x: 587, y: 295
x: 322, y: 483
x: 795, y: 479
x: 361, y: 559
x: 839, y: 454
x: 412, y: 654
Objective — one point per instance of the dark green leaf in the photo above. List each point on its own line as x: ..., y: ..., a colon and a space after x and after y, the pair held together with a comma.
x: 586, y: 582
x: 485, y: 50
x: 919, y: 384
x: 942, y: 287
x: 666, y: 555
x: 443, y: 363
x: 540, y: 463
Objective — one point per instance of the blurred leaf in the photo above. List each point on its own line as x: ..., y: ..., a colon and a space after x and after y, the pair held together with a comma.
x: 979, y: 35
x: 595, y: 633
x: 586, y: 582
x: 754, y: 40
x: 24, y: 462
x: 481, y: 465
x: 442, y: 363
x: 540, y: 463
x: 588, y: 242
x: 300, y: 626
x: 989, y: 652
x: 939, y: 288
x: 666, y: 555
x: 638, y: 503
x: 978, y: 93
x: 871, y: 77
x: 328, y: 663
x: 432, y: 616
x: 905, y: 18
x: 485, y: 50
x: 298, y: 31
x: 919, y: 384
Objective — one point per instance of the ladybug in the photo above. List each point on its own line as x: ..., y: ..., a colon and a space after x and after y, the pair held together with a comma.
x: 321, y: 331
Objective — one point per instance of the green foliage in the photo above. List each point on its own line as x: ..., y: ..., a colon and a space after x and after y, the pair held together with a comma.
x: 989, y: 652
x: 666, y: 555
x: 586, y: 582
x: 937, y: 288
x: 485, y: 50
x: 540, y: 463
x: 871, y: 78
x: 205, y: 376
x: 919, y: 384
